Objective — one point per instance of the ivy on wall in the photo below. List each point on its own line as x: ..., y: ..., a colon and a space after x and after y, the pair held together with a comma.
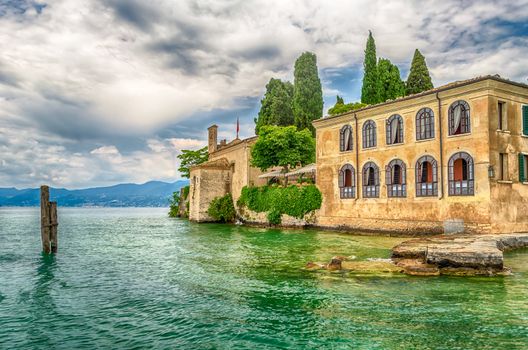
x: 292, y: 200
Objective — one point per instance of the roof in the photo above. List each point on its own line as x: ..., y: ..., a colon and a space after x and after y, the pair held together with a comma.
x: 449, y: 86
x: 274, y: 173
x: 310, y: 168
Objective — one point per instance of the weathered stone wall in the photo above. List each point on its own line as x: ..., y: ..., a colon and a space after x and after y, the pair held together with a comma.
x: 251, y: 217
x: 509, y: 197
x: 414, y: 214
x: 227, y: 171
x: 207, y: 183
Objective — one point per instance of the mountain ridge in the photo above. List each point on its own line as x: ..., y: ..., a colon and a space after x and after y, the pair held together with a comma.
x: 148, y: 194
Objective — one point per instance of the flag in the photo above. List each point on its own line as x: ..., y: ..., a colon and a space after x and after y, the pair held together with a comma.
x: 238, y: 127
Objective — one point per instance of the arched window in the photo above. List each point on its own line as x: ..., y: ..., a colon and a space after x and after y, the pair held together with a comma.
x: 369, y: 134
x: 345, y: 138
x: 426, y: 177
x: 459, y: 122
x: 461, y: 177
x: 370, y: 180
x: 347, y: 181
x: 396, y: 179
x: 394, y: 130
x: 424, y: 124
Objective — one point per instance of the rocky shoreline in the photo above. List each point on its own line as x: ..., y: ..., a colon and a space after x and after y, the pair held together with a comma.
x: 463, y: 255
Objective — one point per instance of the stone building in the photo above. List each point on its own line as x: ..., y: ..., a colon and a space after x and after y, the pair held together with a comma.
x: 227, y: 171
x: 449, y: 159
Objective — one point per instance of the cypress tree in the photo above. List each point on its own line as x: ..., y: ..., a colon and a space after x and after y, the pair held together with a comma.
x: 390, y: 84
x: 369, y: 90
x: 276, y: 106
x: 419, y: 79
x: 307, y: 92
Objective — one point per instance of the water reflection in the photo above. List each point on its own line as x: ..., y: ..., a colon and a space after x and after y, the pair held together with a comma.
x: 42, y: 307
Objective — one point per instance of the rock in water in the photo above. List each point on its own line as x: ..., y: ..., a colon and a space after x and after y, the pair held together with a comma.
x: 334, y: 264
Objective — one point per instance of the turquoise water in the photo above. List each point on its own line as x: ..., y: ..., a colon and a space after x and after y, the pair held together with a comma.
x: 133, y: 278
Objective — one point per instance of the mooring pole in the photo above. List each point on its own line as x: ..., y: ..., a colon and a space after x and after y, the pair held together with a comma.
x: 48, y: 222
x: 53, y: 226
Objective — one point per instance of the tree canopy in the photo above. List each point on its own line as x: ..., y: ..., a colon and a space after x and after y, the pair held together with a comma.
x: 276, y: 106
x: 282, y: 146
x: 189, y: 158
x: 419, y: 79
x: 307, y: 92
x: 390, y: 84
x: 369, y: 90
x: 342, y: 107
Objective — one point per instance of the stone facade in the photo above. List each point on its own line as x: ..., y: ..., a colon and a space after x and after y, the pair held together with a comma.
x: 227, y: 171
x: 471, y: 174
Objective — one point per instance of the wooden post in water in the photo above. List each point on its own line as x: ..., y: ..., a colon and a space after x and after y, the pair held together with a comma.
x: 48, y: 222
x: 53, y: 226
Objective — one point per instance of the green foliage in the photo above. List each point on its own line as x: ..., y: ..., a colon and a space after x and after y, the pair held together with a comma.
x: 222, y: 209
x: 292, y: 200
x: 276, y: 106
x: 340, y: 106
x: 282, y: 146
x: 390, y: 84
x: 185, y: 191
x: 189, y: 158
x: 369, y: 90
x: 174, y: 204
x: 307, y: 92
x: 419, y: 79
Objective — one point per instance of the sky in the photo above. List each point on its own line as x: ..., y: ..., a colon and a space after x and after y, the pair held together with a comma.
x: 99, y: 92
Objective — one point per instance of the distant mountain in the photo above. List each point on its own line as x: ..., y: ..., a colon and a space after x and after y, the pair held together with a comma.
x: 149, y: 194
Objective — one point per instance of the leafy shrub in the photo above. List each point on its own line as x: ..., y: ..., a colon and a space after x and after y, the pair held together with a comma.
x: 186, y: 191
x: 292, y: 200
x: 174, y: 204
x: 222, y: 209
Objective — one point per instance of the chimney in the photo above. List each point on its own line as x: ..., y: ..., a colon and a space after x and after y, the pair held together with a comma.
x: 213, y: 136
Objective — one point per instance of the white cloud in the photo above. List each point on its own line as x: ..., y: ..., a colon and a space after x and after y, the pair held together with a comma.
x: 80, y: 75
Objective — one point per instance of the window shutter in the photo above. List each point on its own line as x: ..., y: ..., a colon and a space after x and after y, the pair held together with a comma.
x: 521, y: 168
x: 525, y: 119
x: 341, y: 178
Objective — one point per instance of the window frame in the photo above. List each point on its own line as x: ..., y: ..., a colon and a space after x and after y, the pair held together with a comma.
x: 465, y: 119
x: 388, y: 130
x: 396, y: 190
x: 430, y: 189
x: 427, y: 114
x: 371, y: 125
x: 348, y: 191
x: 461, y: 187
x: 370, y: 191
x: 342, y: 146
x: 502, y: 115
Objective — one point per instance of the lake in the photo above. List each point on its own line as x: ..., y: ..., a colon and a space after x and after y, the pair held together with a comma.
x: 133, y: 278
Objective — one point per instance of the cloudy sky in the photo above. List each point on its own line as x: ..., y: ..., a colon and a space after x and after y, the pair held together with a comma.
x: 97, y: 92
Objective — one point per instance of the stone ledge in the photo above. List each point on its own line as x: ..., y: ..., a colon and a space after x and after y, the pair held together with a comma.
x: 460, y: 254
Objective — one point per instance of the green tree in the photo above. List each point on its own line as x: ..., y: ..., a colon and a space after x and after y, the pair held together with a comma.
x: 189, y: 158
x: 390, y: 84
x: 276, y: 106
x: 282, y: 146
x: 174, y: 204
x: 369, y: 90
x: 340, y: 107
x: 307, y: 92
x: 419, y: 79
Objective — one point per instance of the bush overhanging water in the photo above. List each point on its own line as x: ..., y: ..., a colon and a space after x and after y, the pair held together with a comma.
x: 292, y: 200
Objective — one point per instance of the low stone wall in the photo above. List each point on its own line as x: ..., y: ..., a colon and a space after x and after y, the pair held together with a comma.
x: 250, y: 217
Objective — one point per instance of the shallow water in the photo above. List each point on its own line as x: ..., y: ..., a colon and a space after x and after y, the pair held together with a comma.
x: 133, y: 278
